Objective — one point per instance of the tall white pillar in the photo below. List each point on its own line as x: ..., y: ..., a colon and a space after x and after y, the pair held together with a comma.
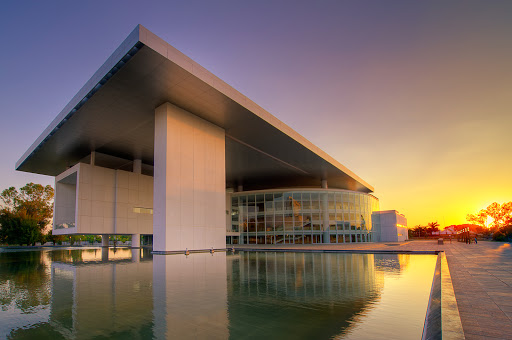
x: 135, y: 240
x: 189, y: 182
x: 104, y: 240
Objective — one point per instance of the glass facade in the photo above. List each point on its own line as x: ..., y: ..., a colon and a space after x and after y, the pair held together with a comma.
x: 301, y: 216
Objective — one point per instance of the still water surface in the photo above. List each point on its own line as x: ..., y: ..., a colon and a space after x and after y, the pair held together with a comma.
x: 130, y: 294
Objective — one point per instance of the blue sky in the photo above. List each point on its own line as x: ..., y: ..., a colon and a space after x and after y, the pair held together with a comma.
x: 413, y: 96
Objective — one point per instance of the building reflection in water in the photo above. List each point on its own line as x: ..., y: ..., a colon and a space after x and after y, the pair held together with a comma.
x: 106, y: 294
x: 298, y: 295
x: 124, y: 293
x: 190, y: 296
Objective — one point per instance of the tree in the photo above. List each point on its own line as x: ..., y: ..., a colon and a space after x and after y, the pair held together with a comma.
x: 33, y: 199
x: 55, y: 238
x: 478, y: 219
x: 503, y: 234
x: 25, y: 213
x: 18, y: 228
x: 501, y: 215
x: 419, y: 231
x: 432, y: 227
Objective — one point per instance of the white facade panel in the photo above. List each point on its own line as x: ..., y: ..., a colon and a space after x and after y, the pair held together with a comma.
x: 95, y: 200
x: 390, y: 226
x: 133, y: 208
x: 189, y: 182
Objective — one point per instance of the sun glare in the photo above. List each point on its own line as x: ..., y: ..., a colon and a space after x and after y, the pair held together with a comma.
x: 488, y: 221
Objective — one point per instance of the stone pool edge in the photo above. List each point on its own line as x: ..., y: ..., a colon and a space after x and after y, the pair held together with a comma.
x: 442, y: 320
x: 348, y: 251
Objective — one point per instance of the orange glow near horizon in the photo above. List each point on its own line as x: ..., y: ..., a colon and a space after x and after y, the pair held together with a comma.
x: 449, y: 209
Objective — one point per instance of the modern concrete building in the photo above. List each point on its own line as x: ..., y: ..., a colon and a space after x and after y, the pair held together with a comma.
x: 154, y: 144
x: 390, y: 226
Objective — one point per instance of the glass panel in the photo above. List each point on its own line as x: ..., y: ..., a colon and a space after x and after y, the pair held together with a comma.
x: 269, y: 223
x: 279, y: 223
x: 307, y: 222
x: 306, y: 205
x: 250, y: 199
x: 260, y: 225
x: 288, y: 225
x: 332, y: 204
x: 315, y: 205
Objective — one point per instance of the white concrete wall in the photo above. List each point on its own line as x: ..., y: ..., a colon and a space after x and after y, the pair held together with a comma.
x: 133, y: 191
x: 402, y: 232
x: 388, y: 231
x: 189, y: 182
x: 103, y: 201
x: 96, y: 204
x: 390, y: 226
x: 65, y: 202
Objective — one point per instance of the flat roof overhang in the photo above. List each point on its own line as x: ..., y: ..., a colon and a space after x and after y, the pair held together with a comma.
x: 113, y: 114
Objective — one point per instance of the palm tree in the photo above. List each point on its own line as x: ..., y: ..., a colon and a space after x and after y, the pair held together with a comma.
x: 432, y: 227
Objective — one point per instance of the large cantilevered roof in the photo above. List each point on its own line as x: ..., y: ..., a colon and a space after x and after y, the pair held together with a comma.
x: 113, y: 115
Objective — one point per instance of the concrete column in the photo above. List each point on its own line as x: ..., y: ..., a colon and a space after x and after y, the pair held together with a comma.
x: 135, y: 255
x: 137, y: 166
x: 135, y: 240
x: 325, y: 214
x: 104, y: 240
x: 104, y: 254
x: 325, y: 217
x: 189, y: 182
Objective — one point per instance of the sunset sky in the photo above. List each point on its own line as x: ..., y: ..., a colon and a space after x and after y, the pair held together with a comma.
x: 413, y: 96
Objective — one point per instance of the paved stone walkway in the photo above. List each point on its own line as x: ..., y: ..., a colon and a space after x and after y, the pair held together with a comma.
x: 481, y: 275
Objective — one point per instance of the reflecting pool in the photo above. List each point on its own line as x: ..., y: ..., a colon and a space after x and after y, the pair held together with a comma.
x: 131, y: 294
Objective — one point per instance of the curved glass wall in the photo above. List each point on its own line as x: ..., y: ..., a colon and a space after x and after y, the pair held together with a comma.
x: 301, y: 216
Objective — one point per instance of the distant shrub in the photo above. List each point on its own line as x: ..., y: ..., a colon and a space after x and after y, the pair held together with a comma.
x: 503, y: 234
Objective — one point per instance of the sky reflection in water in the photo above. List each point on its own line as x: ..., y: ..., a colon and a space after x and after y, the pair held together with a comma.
x: 124, y: 293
